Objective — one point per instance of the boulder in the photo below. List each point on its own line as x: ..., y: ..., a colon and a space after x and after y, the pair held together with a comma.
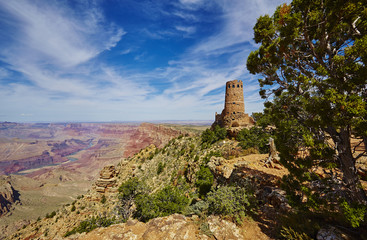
x: 331, y: 233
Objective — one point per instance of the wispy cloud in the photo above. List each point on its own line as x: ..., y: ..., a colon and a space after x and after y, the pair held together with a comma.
x: 57, y: 51
x: 57, y: 34
x: 188, y: 30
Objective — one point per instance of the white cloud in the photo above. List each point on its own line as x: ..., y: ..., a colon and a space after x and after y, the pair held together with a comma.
x: 188, y: 30
x: 57, y: 51
x: 58, y: 34
x: 239, y: 18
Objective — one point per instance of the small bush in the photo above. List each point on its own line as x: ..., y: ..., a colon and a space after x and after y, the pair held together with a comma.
x: 131, y: 188
x: 254, y: 138
x: 197, y: 208
x: 211, y: 136
x: 90, y: 224
x: 290, y: 234
x: 73, y: 208
x: 103, y: 199
x: 354, y: 214
x: 160, y: 168
x: 165, y: 202
x: 51, y: 215
x: 230, y: 201
x: 204, y: 181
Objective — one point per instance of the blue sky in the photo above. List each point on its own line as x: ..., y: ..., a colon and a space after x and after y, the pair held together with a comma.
x: 127, y: 60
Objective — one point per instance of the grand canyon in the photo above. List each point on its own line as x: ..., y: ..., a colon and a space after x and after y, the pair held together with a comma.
x: 43, y: 166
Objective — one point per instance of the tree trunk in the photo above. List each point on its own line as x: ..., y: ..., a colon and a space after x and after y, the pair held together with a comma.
x: 347, y: 161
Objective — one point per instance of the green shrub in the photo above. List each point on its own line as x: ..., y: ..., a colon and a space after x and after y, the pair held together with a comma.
x: 73, y: 208
x: 230, y: 201
x: 204, y: 181
x: 254, y: 138
x: 51, y: 215
x: 103, y: 199
x: 90, y: 224
x: 220, y: 133
x: 353, y: 214
x: 131, y: 188
x: 146, y: 207
x: 165, y: 202
x: 197, y: 208
x: 290, y: 234
x: 211, y: 136
x: 160, y: 168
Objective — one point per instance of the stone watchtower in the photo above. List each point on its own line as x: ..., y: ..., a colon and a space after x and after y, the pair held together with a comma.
x: 233, y: 116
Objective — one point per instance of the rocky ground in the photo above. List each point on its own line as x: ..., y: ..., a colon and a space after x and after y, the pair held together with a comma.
x: 144, y: 166
x: 45, y: 188
x: 181, y: 158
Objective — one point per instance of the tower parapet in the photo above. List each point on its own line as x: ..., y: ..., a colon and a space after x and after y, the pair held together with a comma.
x: 233, y: 116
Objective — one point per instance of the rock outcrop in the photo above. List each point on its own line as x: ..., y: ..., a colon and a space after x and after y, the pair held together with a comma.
x: 107, y: 179
x: 173, y: 227
x: 8, y: 197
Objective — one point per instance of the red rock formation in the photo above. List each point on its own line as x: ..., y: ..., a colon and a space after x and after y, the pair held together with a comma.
x: 148, y: 134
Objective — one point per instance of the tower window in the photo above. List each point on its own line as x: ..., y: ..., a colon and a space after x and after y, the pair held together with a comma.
x: 241, y: 86
x: 234, y: 103
x: 233, y: 86
x: 238, y: 85
x: 229, y: 86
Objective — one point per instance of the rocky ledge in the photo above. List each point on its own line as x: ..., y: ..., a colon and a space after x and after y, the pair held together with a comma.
x: 8, y: 196
x: 175, y: 226
x: 107, y: 180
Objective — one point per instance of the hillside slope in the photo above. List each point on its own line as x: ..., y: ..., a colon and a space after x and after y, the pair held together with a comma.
x: 44, y: 189
x: 179, y: 165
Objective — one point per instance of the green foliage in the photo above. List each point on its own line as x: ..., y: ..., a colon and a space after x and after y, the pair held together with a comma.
x: 254, y: 138
x: 313, y: 62
x: 90, y: 224
x: 131, y: 188
x: 198, y: 208
x: 146, y: 207
x: 230, y: 201
x: 51, y: 215
x: 290, y: 227
x: 353, y: 214
x: 103, y: 199
x: 290, y: 234
x: 220, y: 133
x: 204, y: 181
x: 262, y: 120
x: 165, y: 202
x: 73, y: 208
x: 129, y: 192
x: 160, y: 168
x: 211, y: 136
x: 208, y: 136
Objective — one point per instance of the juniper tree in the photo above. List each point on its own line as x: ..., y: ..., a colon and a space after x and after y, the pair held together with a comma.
x: 312, y: 59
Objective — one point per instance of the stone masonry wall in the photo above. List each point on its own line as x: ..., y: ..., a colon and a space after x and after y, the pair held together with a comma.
x: 234, y: 102
x: 233, y: 116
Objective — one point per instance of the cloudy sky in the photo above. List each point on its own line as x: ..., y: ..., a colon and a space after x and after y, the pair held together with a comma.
x: 126, y: 60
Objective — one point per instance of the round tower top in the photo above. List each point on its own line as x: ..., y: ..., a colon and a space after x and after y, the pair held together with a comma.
x: 234, y: 84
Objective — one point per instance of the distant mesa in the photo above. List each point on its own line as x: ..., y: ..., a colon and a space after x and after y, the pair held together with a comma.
x: 233, y: 116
